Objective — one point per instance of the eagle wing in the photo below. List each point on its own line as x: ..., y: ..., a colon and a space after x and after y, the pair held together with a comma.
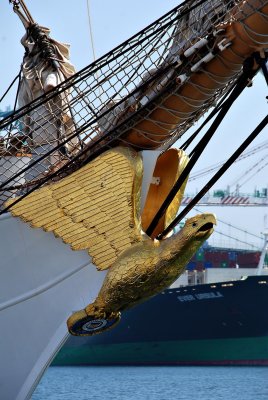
x: 97, y: 208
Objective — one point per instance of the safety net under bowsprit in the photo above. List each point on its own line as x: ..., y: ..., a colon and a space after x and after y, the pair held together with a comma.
x: 145, y: 93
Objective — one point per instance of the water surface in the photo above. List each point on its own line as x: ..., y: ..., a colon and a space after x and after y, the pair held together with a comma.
x: 153, y: 383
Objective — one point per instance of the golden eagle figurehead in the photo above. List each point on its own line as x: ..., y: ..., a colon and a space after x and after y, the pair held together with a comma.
x: 97, y: 209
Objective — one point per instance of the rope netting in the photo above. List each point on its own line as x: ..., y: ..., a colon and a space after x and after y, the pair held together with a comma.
x: 130, y: 96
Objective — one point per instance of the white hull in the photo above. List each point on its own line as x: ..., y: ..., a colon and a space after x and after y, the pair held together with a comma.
x: 42, y: 282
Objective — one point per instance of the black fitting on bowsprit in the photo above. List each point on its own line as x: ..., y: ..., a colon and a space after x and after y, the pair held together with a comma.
x: 44, y: 44
x: 261, y: 60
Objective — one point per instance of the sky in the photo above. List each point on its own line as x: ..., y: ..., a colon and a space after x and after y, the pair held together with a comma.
x: 112, y: 23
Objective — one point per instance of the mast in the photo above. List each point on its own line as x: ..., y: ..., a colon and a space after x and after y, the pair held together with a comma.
x: 263, y: 253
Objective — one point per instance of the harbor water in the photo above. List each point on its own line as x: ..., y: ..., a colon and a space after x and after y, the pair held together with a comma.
x: 153, y: 383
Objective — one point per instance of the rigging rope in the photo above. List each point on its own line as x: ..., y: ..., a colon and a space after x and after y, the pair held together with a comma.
x: 258, y: 170
x: 210, y: 116
x: 233, y: 227
x: 214, y: 167
x: 214, y: 179
x: 237, y: 180
x: 90, y: 30
x: 122, y: 74
x: 236, y: 239
x: 89, y: 153
x: 27, y: 12
x: 10, y: 86
x: 197, y: 151
x: 262, y: 61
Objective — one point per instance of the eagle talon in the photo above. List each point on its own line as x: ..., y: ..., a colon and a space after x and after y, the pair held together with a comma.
x: 96, y: 312
x: 82, y: 324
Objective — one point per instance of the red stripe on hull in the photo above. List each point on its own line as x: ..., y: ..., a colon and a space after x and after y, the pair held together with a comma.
x: 257, y: 363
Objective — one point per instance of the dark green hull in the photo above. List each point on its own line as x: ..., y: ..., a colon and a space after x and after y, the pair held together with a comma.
x: 245, y: 351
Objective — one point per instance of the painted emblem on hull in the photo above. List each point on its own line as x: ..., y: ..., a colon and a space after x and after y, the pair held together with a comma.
x: 93, y: 326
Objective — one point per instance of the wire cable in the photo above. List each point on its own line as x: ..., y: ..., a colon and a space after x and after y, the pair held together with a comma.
x: 214, y: 179
x: 197, y: 151
x: 90, y: 30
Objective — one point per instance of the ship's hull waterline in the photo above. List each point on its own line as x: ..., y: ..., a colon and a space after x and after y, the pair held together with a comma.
x: 235, y: 351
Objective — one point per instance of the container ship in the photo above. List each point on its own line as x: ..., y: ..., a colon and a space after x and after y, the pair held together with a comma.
x: 72, y: 155
x: 215, y: 314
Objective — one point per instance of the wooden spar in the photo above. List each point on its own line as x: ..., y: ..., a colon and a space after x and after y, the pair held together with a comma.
x: 26, y: 11
x: 247, y: 33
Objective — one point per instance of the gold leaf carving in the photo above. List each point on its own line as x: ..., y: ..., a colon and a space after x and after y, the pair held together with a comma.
x: 96, y: 208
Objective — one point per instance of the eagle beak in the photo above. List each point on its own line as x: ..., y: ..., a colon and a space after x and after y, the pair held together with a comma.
x: 208, y: 223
